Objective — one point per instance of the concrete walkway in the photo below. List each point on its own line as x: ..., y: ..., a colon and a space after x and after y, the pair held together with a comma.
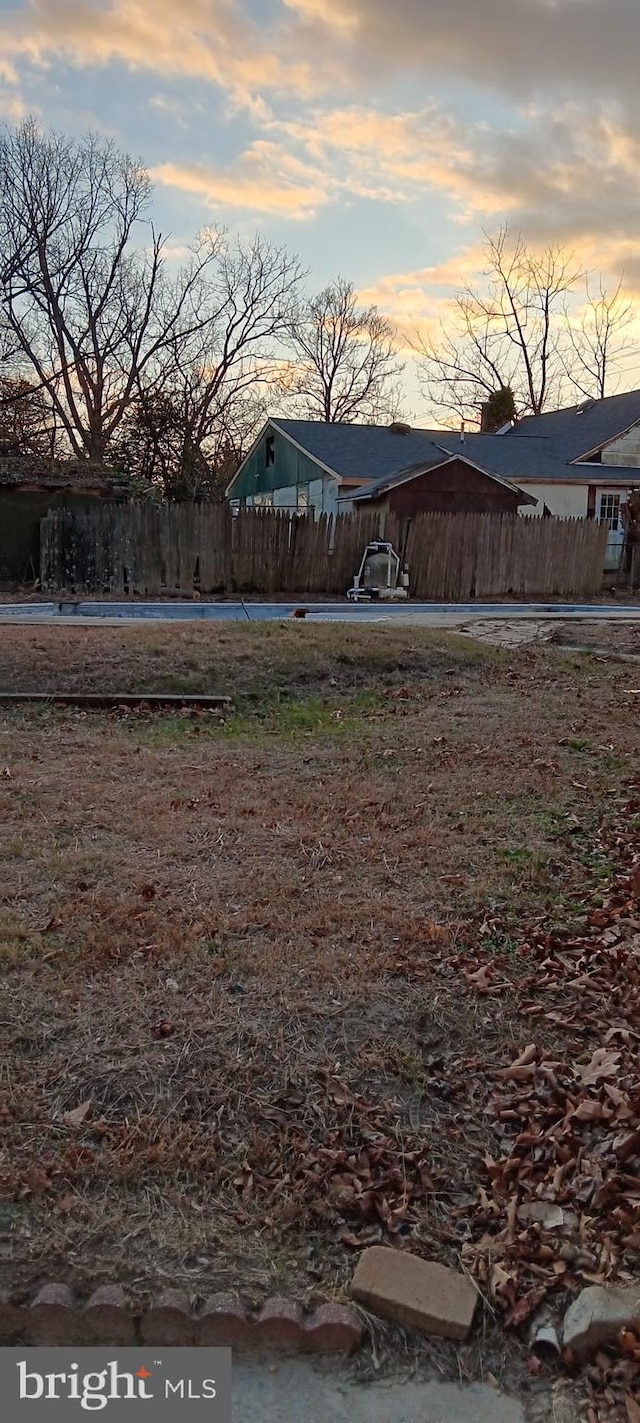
x: 299, y: 1391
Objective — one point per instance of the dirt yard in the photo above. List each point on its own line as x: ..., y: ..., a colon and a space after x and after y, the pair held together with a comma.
x: 598, y: 637
x: 265, y: 976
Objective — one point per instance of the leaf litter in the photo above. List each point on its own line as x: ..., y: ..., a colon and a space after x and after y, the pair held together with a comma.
x: 327, y: 1113
x: 560, y: 1205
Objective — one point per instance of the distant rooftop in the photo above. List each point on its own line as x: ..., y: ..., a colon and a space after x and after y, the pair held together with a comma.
x: 48, y: 473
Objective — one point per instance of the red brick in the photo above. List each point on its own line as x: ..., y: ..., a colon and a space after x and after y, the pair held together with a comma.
x: 12, y: 1319
x: 223, y: 1323
x: 106, y: 1318
x: 420, y: 1294
x: 169, y: 1321
x: 332, y: 1329
x: 279, y: 1325
x: 52, y: 1319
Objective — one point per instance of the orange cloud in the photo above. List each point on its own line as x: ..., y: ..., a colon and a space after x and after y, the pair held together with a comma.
x: 12, y: 106
x: 265, y: 180
x: 207, y: 39
x: 325, y: 14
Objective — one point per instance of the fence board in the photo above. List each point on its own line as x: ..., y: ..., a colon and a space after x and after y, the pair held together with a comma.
x: 147, y: 549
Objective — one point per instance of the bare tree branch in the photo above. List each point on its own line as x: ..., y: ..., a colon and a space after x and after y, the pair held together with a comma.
x: 596, y: 342
x: 508, y: 332
x: 346, y: 362
x: 83, y: 288
x: 211, y: 394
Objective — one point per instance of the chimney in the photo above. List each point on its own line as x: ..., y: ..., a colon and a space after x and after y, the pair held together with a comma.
x: 463, y: 439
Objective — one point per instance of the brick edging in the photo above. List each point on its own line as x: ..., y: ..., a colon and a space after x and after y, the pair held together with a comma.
x: 54, y: 1317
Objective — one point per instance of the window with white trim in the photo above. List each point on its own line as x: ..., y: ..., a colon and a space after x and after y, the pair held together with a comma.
x: 303, y: 496
x: 609, y: 512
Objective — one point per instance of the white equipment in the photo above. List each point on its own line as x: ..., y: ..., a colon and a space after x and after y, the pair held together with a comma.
x: 380, y: 576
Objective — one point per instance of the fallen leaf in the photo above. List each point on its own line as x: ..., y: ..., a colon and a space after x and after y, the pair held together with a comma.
x: 163, y: 1029
x: 591, y: 1111
x: 76, y: 1116
x: 481, y: 979
x: 525, y: 1307
x: 603, y: 1064
x: 65, y: 1204
x: 340, y: 1093
x: 629, y: 1343
x: 633, y: 1409
x: 545, y: 1213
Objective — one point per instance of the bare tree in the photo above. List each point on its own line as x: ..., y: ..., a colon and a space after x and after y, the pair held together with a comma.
x: 346, y: 365
x: 156, y: 449
x: 27, y: 423
x: 83, y: 289
x: 245, y: 299
x: 506, y: 333
x: 596, y: 341
x: 187, y: 430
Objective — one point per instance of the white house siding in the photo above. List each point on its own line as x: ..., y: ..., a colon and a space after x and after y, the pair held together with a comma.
x: 330, y: 489
x: 285, y: 498
x: 321, y: 495
x: 566, y: 501
x: 625, y: 450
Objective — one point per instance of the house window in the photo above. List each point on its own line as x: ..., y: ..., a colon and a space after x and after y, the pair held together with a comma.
x: 609, y: 513
x: 270, y: 451
x: 303, y: 496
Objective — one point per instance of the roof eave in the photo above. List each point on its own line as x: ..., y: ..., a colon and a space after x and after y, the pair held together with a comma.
x: 385, y: 486
x: 335, y: 474
x: 604, y: 444
x: 274, y: 423
x: 245, y: 461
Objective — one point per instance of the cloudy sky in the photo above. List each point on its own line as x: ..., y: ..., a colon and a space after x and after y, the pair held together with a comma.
x: 377, y: 138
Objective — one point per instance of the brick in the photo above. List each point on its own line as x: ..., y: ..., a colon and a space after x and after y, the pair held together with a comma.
x: 12, y: 1319
x: 596, y: 1317
x: 52, y: 1319
x: 106, y: 1318
x: 420, y: 1294
x: 279, y: 1325
x: 169, y: 1321
x: 223, y: 1323
x: 332, y: 1329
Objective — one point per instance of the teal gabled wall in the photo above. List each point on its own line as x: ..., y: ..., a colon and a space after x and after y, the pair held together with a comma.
x: 290, y: 467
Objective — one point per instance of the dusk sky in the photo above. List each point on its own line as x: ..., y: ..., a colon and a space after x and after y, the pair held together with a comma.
x: 377, y: 138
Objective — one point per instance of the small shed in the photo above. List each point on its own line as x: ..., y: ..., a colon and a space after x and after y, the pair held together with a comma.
x: 454, y: 485
x: 29, y: 487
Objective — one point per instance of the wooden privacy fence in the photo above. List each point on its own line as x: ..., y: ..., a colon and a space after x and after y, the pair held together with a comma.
x: 150, y: 550
x: 456, y: 556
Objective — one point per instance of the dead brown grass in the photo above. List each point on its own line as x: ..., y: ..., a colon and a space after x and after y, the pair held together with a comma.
x: 604, y: 638
x: 241, y: 944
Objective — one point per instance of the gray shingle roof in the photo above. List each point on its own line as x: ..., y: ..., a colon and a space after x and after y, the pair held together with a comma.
x: 360, y: 451
x: 527, y: 458
x: 440, y: 457
x: 574, y: 434
x: 374, y: 452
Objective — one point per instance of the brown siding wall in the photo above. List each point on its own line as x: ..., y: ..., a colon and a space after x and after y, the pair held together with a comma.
x: 454, y: 489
